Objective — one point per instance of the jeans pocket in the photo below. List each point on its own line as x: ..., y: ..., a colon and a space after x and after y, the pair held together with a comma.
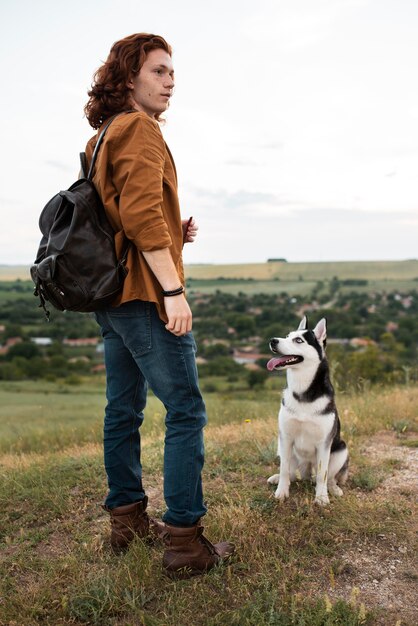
x: 132, y: 322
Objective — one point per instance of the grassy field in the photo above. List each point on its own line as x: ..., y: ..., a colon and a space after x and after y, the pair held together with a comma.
x: 313, y: 271
x: 301, y: 278
x: 370, y: 270
x: 294, y: 288
x: 276, y: 277
x: 14, y: 272
x: 296, y: 565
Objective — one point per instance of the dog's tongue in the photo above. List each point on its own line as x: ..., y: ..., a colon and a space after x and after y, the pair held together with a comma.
x: 276, y: 361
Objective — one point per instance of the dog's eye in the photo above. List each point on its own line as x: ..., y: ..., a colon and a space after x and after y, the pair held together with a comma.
x: 298, y: 340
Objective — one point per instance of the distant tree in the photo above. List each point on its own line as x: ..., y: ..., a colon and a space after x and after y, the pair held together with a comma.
x: 243, y: 324
x: 26, y: 349
x: 218, y: 349
x: 56, y: 348
x: 10, y: 371
x: 334, y: 285
x: 12, y: 330
x: 366, y: 364
x: 257, y: 378
x: 220, y: 366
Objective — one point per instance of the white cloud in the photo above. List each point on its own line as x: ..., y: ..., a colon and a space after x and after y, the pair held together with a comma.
x: 283, y: 111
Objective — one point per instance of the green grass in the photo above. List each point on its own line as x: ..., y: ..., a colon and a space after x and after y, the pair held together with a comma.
x: 301, y: 278
x: 56, y: 565
x: 294, y: 288
x: 292, y: 278
x: 37, y: 416
x: 370, y: 270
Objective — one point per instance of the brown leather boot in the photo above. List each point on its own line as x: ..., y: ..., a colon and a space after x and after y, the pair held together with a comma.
x: 189, y: 553
x: 127, y: 522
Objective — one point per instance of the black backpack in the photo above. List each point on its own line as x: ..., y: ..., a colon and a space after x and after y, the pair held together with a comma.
x: 76, y: 268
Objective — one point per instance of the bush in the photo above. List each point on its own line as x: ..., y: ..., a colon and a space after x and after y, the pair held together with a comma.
x: 10, y: 371
x: 73, y: 379
x: 257, y: 378
x: 209, y: 388
x: 25, y: 349
x: 220, y: 366
x: 218, y: 349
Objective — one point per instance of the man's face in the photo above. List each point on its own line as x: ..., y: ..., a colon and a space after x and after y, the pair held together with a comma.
x: 153, y: 86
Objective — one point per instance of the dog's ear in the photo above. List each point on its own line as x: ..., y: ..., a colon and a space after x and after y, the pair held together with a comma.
x: 320, y: 331
x: 304, y: 323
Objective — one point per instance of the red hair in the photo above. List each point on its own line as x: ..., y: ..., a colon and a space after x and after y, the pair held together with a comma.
x: 109, y: 93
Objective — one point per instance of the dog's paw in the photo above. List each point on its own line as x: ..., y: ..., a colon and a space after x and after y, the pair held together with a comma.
x: 273, y: 480
x: 336, y: 491
x: 281, y: 494
x: 322, y: 500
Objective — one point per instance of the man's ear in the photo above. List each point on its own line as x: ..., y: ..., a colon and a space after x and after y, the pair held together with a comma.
x: 303, y: 324
x: 320, y: 330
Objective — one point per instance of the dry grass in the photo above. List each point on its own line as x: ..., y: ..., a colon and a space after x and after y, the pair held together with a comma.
x: 369, y: 270
x: 295, y: 564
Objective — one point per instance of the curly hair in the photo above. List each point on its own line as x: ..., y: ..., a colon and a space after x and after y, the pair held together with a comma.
x: 109, y: 93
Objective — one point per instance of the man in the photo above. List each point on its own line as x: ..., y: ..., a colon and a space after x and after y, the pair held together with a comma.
x: 147, y: 332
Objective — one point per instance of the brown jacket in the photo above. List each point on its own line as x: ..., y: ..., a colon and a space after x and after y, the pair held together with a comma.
x: 136, y: 179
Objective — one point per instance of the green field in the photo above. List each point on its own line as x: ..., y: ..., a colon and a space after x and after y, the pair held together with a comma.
x: 370, y: 270
x: 302, y: 278
x: 277, y: 277
x: 296, y: 565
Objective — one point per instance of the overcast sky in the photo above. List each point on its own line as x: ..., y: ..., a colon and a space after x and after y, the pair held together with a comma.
x: 294, y: 123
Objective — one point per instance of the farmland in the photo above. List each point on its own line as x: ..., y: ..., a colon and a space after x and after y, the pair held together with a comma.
x: 296, y: 565
x: 292, y: 278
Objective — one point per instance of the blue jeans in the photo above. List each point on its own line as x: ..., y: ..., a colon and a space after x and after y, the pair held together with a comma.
x: 140, y: 351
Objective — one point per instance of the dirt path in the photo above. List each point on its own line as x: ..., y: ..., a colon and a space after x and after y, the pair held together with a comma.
x: 383, y: 572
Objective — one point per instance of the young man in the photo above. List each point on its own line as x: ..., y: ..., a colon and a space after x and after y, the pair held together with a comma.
x: 147, y: 332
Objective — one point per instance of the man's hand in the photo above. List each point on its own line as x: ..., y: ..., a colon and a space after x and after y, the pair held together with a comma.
x: 190, y: 229
x: 179, y: 315
x: 178, y: 311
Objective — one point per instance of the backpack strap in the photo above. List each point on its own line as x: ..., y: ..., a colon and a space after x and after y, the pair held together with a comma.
x: 99, y: 142
x: 83, y: 165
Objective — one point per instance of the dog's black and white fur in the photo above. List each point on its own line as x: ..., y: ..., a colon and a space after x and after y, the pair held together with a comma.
x: 309, y: 426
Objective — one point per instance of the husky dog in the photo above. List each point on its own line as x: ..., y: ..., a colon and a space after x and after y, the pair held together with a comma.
x: 309, y: 426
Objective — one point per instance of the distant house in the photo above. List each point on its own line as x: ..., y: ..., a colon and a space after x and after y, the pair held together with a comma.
x: 81, y: 343
x: 79, y: 359
x: 244, y: 357
x: 307, y: 307
x: 337, y: 341
x: 276, y: 260
x: 41, y: 341
x: 98, y: 369
x: 361, y: 342
x: 252, y: 367
x: 215, y: 342
x: 12, y: 341
x: 200, y: 299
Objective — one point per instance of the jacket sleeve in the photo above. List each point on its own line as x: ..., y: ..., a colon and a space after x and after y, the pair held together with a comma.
x: 138, y: 157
